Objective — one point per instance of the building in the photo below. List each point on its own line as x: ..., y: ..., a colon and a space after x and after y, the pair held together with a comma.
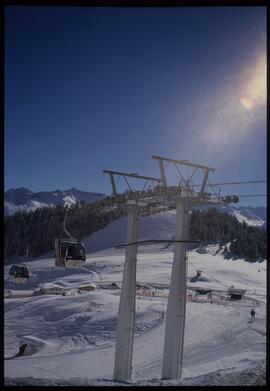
x: 90, y: 287
x: 113, y: 285
x: 236, y: 294
x: 202, y: 291
x: 52, y: 289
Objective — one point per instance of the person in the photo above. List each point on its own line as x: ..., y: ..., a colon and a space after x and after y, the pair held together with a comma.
x: 22, y: 349
x: 252, y: 314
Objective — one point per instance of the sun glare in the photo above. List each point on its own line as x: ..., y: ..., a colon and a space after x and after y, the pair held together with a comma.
x: 247, y: 103
x: 255, y: 88
x: 239, y: 107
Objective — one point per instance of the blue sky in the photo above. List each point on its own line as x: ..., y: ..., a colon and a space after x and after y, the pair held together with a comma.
x: 88, y: 89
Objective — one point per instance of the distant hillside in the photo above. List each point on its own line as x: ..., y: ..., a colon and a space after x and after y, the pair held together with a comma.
x: 252, y: 216
x: 27, y: 200
x: 100, y: 230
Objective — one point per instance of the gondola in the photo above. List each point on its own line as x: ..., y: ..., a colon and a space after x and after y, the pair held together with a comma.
x: 19, y: 274
x: 69, y: 253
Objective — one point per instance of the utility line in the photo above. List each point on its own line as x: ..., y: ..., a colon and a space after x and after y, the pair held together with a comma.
x: 237, y: 183
x: 230, y: 183
x: 252, y: 195
x: 243, y: 195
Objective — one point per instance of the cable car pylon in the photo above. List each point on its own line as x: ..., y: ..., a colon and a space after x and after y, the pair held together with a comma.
x: 162, y: 197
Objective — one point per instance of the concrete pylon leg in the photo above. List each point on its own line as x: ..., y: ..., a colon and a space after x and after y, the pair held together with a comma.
x: 175, y: 319
x: 125, y: 325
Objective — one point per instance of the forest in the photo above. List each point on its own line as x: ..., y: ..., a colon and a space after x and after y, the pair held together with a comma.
x: 33, y: 233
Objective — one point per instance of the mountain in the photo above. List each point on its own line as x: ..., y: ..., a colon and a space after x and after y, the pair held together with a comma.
x: 25, y: 199
x: 255, y: 217
x: 252, y: 216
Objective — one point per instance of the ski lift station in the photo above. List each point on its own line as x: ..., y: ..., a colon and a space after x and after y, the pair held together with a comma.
x: 236, y: 294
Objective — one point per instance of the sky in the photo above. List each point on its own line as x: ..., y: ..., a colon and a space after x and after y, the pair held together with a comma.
x: 93, y: 88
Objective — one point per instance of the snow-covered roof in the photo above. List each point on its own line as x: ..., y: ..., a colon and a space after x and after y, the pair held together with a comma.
x: 235, y: 290
x: 50, y: 285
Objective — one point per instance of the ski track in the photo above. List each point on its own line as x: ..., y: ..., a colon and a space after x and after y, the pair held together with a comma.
x: 79, y: 331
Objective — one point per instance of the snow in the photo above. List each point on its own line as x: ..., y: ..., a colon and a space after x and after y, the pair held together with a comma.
x: 27, y: 200
x: 71, y: 339
x: 160, y: 226
x: 32, y: 205
x: 248, y: 217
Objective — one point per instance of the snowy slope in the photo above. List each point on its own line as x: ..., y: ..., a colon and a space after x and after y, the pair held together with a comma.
x: 248, y: 217
x: 252, y: 216
x: 71, y: 339
x: 159, y: 226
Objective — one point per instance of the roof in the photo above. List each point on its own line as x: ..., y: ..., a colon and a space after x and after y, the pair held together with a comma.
x: 87, y: 286
x: 50, y: 285
x: 235, y: 290
x: 108, y: 285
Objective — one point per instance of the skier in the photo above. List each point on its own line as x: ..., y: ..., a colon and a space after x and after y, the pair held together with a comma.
x: 252, y: 315
x: 209, y: 296
x: 22, y: 349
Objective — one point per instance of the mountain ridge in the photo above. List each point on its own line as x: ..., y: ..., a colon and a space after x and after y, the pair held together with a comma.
x: 25, y: 199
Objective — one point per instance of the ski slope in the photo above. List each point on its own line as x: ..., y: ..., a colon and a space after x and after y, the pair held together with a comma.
x: 71, y: 339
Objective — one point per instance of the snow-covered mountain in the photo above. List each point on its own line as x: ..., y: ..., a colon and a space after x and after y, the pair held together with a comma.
x: 25, y: 199
x: 252, y: 216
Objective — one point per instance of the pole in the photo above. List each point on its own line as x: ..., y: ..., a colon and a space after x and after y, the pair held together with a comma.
x: 126, y: 315
x: 162, y: 173
x: 175, y: 319
x: 64, y: 225
x: 114, y: 192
